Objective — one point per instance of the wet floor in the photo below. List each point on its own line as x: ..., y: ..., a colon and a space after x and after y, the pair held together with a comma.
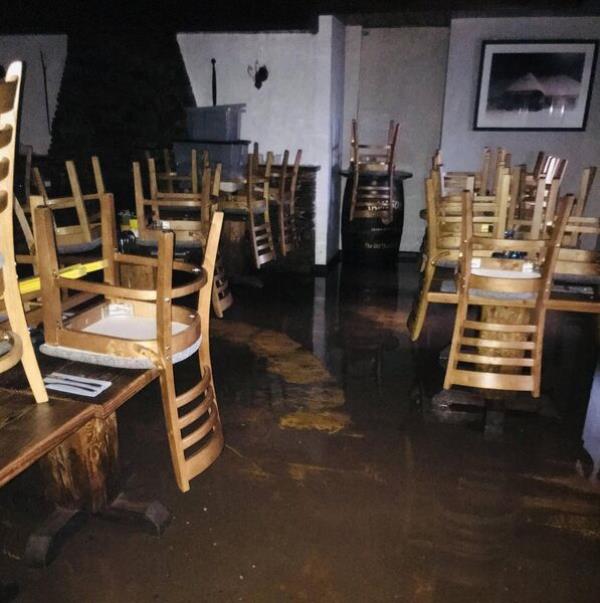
x: 337, y: 483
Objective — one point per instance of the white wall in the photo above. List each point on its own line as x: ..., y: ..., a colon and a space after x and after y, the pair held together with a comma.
x: 402, y: 77
x: 462, y: 146
x: 338, y: 51
x: 293, y: 109
x: 34, y: 125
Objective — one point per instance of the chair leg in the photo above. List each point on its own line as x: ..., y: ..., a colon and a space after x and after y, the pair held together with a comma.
x: 18, y: 324
x: 221, y: 295
x: 169, y: 401
x: 216, y: 304
x: 282, y: 233
x: 417, y: 318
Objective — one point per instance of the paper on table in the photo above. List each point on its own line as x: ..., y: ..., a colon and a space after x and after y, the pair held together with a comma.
x: 73, y: 384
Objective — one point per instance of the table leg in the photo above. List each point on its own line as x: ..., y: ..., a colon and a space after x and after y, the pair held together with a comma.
x: 82, y: 477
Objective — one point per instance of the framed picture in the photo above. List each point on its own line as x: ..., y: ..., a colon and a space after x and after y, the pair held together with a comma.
x: 535, y: 85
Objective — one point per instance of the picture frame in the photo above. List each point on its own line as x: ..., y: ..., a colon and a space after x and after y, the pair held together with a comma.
x: 534, y: 85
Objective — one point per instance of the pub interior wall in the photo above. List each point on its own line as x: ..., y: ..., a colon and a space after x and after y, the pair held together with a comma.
x: 293, y: 109
x: 462, y: 146
x: 402, y: 73
x: 34, y: 129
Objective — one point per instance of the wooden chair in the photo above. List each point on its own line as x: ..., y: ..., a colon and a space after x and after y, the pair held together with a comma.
x: 18, y: 346
x: 21, y: 209
x: 378, y: 157
x: 443, y: 235
x: 77, y: 217
x: 578, y: 268
x: 185, y: 213
x: 188, y: 215
x: 252, y: 204
x: 259, y: 221
x: 585, y: 186
x: 284, y: 183
x: 454, y: 182
x: 549, y: 168
x: 490, y: 353
x: 372, y: 197
x: 142, y: 329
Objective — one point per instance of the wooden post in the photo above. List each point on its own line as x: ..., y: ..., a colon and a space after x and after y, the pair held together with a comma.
x: 83, y: 472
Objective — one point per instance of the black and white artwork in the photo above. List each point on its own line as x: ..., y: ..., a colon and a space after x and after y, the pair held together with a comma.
x: 535, y: 85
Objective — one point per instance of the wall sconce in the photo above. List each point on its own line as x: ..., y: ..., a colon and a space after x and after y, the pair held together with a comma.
x: 258, y: 74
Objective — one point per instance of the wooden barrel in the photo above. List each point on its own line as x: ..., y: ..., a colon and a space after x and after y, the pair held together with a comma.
x: 373, y: 240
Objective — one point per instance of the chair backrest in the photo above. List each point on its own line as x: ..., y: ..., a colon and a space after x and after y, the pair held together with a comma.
x: 585, y: 186
x: 259, y: 221
x: 18, y: 336
x: 552, y: 167
x: 258, y: 179
x: 284, y: 179
x: 9, y: 107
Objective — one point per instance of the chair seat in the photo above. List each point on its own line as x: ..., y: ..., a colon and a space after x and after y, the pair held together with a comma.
x: 449, y: 286
x: 578, y: 279
x: 195, y: 244
x: 79, y: 247
x: 445, y: 263
x: 134, y: 328
x: 5, y: 347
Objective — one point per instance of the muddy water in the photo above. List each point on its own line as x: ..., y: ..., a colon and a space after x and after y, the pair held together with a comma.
x: 332, y: 486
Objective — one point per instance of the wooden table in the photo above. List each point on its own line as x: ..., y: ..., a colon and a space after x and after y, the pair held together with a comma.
x: 75, y: 438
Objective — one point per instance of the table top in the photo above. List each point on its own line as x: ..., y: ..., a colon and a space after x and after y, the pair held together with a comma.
x: 28, y: 430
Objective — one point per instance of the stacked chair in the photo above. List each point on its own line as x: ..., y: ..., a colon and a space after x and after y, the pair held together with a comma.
x: 187, y: 214
x: 16, y: 342
x: 455, y: 182
x: 283, y: 187
x: 488, y: 353
x: 522, y: 211
x: 373, y: 198
x: 252, y: 204
x: 77, y: 216
x: 169, y: 177
x: 141, y: 329
x: 443, y: 237
x: 284, y: 183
